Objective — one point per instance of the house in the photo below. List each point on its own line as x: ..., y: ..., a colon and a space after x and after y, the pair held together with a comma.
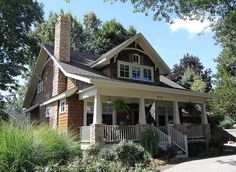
x: 71, y: 90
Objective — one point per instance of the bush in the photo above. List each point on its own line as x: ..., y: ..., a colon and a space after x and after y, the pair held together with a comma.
x: 107, y: 154
x: 128, y: 153
x: 91, y: 154
x: 226, y: 123
x: 196, y: 149
x: 149, y: 140
x: 22, y: 148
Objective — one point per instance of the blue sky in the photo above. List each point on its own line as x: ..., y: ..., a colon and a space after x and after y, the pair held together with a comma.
x: 170, y: 41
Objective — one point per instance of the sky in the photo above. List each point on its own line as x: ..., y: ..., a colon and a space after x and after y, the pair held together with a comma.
x: 170, y: 41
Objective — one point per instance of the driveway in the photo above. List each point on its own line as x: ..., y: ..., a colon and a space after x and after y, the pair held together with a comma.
x: 219, y: 164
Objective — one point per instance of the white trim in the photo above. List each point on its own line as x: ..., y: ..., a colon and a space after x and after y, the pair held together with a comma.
x: 85, y: 112
x: 60, y: 96
x: 31, y: 108
x: 78, y: 77
x: 138, y: 86
x: 47, y: 111
x: 142, y: 67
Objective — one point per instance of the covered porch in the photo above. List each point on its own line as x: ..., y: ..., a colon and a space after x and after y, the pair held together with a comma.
x: 102, y: 124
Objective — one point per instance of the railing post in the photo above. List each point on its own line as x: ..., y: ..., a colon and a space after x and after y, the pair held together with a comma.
x: 169, y: 140
x: 168, y: 129
x: 186, y: 144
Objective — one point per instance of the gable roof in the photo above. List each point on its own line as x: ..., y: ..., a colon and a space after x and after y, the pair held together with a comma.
x: 158, y: 61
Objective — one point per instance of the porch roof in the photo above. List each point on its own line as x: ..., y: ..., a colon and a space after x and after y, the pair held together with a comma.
x: 112, y: 87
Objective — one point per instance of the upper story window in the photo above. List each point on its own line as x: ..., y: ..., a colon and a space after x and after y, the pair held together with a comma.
x: 47, y: 111
x: 135, y: 71
x: 136, y: 58
x: 40, y: 87
x: 62, y: 107
x: 124, y: 71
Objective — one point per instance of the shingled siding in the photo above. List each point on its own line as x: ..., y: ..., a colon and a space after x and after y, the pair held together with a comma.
x: 75, y: 112
x: 72, y: 118
x: 47, y: 78
x: 111, y: 69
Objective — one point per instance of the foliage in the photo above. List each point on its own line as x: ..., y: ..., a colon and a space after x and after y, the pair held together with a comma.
x: 190, y: 69
x: 150, y: 141
x: 16, y: 20
x: 92, y: 153
x: 196, y: 148
x: 120, y: 106
x: 128, y: 153
x: 192, y: 9
x: 22, y: 148
x: 198, y: 85
x: 107, y: 154
x: 14, y: 101
x: 226, y: 123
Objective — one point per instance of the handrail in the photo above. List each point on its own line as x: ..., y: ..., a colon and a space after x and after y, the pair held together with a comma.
x: 164, y: 140
x: 178, y: 139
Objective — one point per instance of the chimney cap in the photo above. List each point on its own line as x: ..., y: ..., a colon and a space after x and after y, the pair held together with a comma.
x: 63, y: 18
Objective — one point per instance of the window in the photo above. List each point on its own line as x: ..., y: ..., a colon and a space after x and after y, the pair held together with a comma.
x: 62, y: 107
x: 107, y: 108
x: 47, y: 111
x: 124, y: 71
x: 136, y: 72
x: 136, y: 58
x: 40, y: 87
x: 147, y: 74
x: 107, y: 113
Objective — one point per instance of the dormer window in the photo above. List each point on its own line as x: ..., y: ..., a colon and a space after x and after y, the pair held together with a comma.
x: 135, y: 71
x: 40, y: 87
x: 136, y: 58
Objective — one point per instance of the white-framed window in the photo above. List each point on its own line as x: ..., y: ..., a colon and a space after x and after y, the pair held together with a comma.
x: 135, y: 72
x: 124, y: 71
x: 90, y: 107
x: 62, y: 106
x: 147, y: 74
x: 40, y: 87
x: 107, y: 108
x: 136, y: 58
x: 47, y: 111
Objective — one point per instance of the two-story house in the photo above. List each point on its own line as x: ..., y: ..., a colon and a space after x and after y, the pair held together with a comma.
x: 74, y: 91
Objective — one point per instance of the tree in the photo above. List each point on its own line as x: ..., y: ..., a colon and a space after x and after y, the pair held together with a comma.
x: 16, y: 20
x: 189, y: 67
x: 112, y: 34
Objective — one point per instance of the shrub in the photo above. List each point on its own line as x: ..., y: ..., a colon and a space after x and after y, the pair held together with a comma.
x: 196, y: 149
x: 226, y: 123
x: 107, y: 154
x: 149, y: 140
x: 128, y: 153
x: 91, y: 154
x: 22, y: 148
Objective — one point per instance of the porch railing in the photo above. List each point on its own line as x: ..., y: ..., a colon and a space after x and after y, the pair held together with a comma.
x: 113, y: 133
x: 178, y: 139
x: 164, y: 140
x: 193, y: 130
x: 85, y: 133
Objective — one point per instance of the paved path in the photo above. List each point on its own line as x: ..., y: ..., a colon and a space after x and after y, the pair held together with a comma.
x: 219, y: 164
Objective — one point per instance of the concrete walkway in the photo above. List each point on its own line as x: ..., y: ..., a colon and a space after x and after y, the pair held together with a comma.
x: 219, y: 164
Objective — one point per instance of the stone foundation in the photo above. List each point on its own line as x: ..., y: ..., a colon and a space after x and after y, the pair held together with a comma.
x: 97, y: 134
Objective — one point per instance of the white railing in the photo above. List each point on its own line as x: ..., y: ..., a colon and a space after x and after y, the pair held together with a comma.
x: 178, y: 139
x: 113, y: 133
x: 85, y: 133
x: 164, y: 140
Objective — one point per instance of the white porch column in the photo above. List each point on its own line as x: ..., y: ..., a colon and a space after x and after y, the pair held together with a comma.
x: 97, y: 115
x: 142, y: 115
x: 114, y: 117
x: 176, y: 119
x: 204, y: 116
x: 85, y: 112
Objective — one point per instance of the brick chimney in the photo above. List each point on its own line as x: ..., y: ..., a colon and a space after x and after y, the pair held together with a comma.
x: 62, y: 39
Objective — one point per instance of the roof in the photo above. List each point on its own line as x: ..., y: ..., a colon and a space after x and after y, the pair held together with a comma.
x: 158, y: 61
x: 85, y: 66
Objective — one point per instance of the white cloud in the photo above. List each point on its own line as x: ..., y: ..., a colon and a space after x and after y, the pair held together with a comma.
x: 192, y: 26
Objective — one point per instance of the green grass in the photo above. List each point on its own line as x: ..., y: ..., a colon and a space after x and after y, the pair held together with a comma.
x: 22, y: 148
